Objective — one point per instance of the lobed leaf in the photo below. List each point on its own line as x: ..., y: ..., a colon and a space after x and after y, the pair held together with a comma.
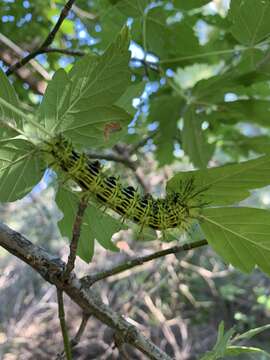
x: 238, y: 350
x: 241, y: 236
x: 250, y: 20
x: 195, y: 144
x: 166, y: 110
x: 227, y: 184
x: 82, y: 103
x: 8, y: 95
x: 20, y: 169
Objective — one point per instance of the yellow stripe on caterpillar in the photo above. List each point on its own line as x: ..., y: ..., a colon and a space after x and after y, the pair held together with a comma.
x: 178, y: 209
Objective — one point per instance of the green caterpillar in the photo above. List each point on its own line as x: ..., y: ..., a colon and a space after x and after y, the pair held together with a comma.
x: 178, y: 209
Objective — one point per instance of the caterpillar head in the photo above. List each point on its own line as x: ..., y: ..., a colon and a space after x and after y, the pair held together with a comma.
x: 186, y: 204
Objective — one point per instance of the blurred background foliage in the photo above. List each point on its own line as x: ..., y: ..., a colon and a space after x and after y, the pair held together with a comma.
x: 201, y: 91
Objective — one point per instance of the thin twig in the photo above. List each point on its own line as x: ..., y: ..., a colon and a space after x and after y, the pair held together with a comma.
x: 51, y: 268
x: 120, y: 344
x: 111, y: 157
x: 70, y: 52
x: 35, y: 84
x: 76, y: 231
x: 141, y: 143
x: 81, y: 329
x: 18, y: 51
x: 154, y: 66
x: 77, y: 337
x: 64, y: 51
x: 61, y: 314
x: 46, y: 43
x: 91, y: 279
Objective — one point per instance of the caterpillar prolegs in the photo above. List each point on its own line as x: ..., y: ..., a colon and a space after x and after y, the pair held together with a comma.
x: 178, y: 209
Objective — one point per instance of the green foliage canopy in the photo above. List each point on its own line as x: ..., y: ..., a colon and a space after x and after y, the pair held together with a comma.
x: 205, y: 72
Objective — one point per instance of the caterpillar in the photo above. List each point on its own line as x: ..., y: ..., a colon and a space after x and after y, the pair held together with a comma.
x: 178, y: 209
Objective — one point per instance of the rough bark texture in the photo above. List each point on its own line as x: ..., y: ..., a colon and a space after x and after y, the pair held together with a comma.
x: 51, y: 269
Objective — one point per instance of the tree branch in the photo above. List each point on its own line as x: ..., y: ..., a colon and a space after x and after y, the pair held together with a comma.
x: 68, y: 52
x: 19, y: 52
x: 51, y: 269
x: 111, y: 157
x: 77, y: 337
x: 35, y: 84
x: 141, y: 143
x: 47, y: 42
x: 76, y: 231
x: 61, y: 315
x: 90, y: 280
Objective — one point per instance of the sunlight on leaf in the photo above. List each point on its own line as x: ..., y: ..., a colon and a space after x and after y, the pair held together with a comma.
x: 241, y: 236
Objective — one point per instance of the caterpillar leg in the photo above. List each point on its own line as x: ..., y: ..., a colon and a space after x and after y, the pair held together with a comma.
x: 164, y: 235
x: 52, y: 164
x: 64, y: 179
x: 123, y: 219
x: 104, y: 208
x: 141, y: 228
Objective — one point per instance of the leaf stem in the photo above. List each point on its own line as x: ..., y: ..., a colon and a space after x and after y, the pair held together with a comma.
x: 198, y: 56
x: 47, y: 42
x: 75, y: 236
x: 144, y: 33
x: 90, y: 280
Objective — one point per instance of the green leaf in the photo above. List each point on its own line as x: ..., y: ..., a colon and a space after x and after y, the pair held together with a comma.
x: 165, y: 40
x: 81, y: 106
x: 96, y: 225
x: 132, y: 8
x: 7, y: 93
x: 55, y: 101
x: 166, y: 110
x: 125, y: 101
x: 259, y: 144
x: 251, y: 110
x: 68, y: 27
x: 240, y: 145
x: 68, y: 203
x: 227, y: 184
x: 223, y: 341
x: 183, y: 41
x: 214, y: 88
x: 251, y: 333
x: 249, y: 70
x: 223, y: 345
x: 111, y: 20
x: 238, y: 350
x: 107, y: 125
x: 241, y: 236
x: 195, y: 144
x: 157, y: 32
x: 113, y: 15
x: 190, y: 4
x: 250, y: 20
x: 21, y: 169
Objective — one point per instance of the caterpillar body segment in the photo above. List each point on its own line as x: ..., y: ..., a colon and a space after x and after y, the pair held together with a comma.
x: 178, y: 209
